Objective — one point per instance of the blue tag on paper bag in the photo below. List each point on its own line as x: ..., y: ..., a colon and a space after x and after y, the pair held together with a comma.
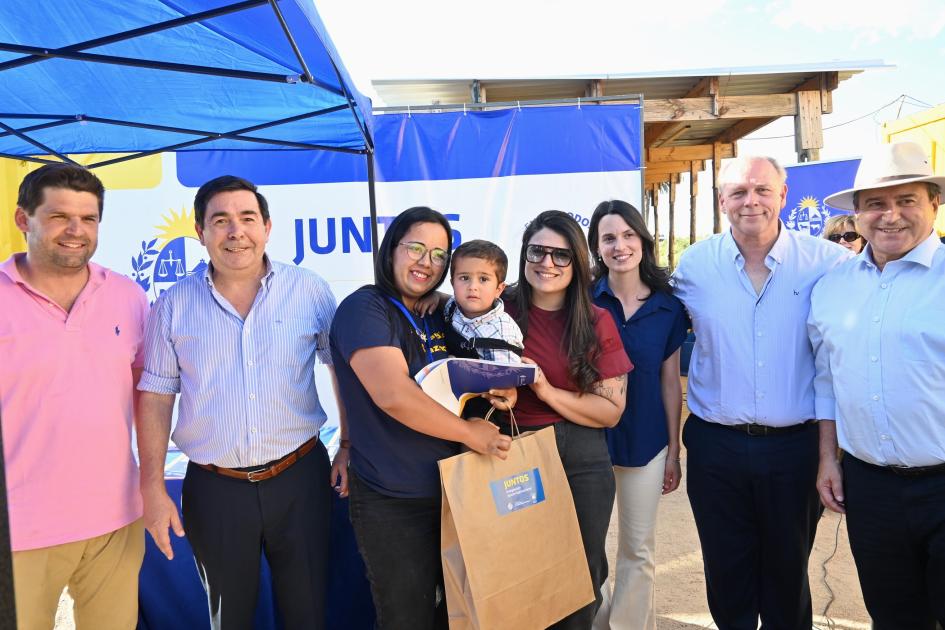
x: 518, y: 491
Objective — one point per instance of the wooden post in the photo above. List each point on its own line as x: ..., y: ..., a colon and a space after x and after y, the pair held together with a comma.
x: 656, y: 221
x: 808, y: 126
x: 671, y: 252
x: 716, y: 210
x: 693, y: 193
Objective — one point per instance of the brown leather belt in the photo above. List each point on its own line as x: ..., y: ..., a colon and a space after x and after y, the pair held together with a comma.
x: 277, y: 467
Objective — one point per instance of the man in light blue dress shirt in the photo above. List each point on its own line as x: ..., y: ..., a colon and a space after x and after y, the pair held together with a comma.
x: 751, y: 439
x: 877, y: 324
x: 238, y: 340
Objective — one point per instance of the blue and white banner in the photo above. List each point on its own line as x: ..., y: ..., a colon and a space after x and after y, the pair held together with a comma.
x: 488, y: 172
x: 808, y: 185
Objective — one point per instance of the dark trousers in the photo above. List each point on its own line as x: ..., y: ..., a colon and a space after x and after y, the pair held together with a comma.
x: 897, y: 534
x: 756, y: 510
x: 229, y: 522
x: 399, y: 541
x: 586, y: 462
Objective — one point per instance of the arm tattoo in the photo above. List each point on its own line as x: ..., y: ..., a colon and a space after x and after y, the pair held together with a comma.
x: 622, y: 379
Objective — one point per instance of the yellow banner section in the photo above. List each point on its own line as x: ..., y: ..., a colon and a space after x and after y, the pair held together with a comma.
x: 928, y: 129
x: 134, y: 174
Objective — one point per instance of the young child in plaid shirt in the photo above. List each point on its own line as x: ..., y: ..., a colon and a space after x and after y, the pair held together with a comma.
x: 477, y: 324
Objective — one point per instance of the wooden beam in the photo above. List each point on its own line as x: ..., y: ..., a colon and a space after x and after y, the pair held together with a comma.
x: 716, y: 208
x: 808, y: 126
x: 686, y: 153
x: 700, y: 108
x: 656, y: 221
x: 657, y: 178
x: 675, y: 166
x: 741, y: 129
x: 671, y: 239
x: 693, y: 193
x: 594, y: 88
x: 706, y: 86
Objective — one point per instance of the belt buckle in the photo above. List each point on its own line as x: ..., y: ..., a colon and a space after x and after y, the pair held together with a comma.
x: 251, y: 476
x: 751, y: 429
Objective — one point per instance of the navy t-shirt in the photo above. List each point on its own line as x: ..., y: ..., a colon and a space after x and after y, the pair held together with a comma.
x: 650, y: 336
x: 388, y: 456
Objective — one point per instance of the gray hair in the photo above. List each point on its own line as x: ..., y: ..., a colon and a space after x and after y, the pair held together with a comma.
x: 736, y: 165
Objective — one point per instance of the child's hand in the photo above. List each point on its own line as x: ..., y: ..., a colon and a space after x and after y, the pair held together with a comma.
x: 429, y: 303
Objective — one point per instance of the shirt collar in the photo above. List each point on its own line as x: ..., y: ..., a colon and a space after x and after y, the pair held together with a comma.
x: 601, y: 286
x: 657, y: 299
x: 922, y: 254
x: 97, y: 273
x: 778, y: 250
x: 266, y: 279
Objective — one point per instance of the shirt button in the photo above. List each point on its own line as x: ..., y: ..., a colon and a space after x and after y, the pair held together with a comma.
x: 255, y: 461
x: 252, y: 396
x: 875, y: 396
x: 759, y: 395
x: 874, y: 359
x: 884, y: 437
x: 883, y: 285
x: 761, y: 363
x: 253, y: 430
x: 249, y: 363
x: 760, y: 334
x: 876, y: 319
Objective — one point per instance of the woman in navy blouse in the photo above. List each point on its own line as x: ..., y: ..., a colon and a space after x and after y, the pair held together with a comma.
x: 644, y: 446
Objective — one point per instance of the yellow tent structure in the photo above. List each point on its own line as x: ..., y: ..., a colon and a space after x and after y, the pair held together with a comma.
x: 928, y: 129
x: 135, y: 174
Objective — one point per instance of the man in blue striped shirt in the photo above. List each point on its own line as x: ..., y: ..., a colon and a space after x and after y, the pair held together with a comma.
x: 238, y: 341
x: 751, y: 438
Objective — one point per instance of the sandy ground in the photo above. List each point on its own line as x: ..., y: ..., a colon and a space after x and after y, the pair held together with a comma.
x: 680, y: 585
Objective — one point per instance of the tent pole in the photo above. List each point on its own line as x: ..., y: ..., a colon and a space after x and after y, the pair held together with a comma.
x: 369, y: 156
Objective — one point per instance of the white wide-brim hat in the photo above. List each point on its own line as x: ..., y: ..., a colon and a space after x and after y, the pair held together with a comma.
x: 888, y: 165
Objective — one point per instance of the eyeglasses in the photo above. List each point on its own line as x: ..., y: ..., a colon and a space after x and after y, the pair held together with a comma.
x: 560, y: 257
x: 417, y: 251
x: 849, y: 237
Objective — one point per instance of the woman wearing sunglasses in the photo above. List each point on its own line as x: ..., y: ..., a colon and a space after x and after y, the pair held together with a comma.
x: 842, y: 229
x: 397, y: 433
x: 644, y: 446
x: 582, y: 384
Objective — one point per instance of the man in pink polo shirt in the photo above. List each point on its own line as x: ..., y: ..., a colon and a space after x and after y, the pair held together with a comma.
x: 70, y: 341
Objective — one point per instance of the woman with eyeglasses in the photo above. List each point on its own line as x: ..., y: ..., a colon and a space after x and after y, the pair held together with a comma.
x: 644, y: 446
x: 582, y: 383
x: 842, y: 229
x: 396, y: 433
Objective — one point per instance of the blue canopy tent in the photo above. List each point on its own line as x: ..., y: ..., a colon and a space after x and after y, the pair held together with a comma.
x: 149, y: 76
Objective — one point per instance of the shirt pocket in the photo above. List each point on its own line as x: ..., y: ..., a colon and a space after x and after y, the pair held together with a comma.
x: 290, y: 341
x: 922, y: 336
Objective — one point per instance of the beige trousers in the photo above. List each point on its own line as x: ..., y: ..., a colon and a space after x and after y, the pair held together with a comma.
x: 101, y: 573
x: 632, y: 606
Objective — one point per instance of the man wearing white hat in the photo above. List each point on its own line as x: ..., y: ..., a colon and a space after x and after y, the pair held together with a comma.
x: 877, y: 325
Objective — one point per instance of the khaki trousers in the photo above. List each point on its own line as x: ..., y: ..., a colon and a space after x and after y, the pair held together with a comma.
x: 632, y: 605
x: 101, y: 573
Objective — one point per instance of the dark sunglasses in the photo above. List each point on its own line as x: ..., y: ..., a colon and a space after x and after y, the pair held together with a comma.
x: 560, y: 257
x: 849, y: 237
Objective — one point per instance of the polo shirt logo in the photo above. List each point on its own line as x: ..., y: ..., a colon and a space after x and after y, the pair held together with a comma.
x: 117, y: 330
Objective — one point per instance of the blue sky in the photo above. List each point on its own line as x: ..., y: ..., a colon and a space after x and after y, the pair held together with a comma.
x: 530, y: 38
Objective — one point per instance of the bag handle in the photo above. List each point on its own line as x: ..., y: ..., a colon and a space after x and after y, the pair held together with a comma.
x: 516, y: 432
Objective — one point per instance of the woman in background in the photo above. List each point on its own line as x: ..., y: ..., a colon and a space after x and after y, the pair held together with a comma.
x: 842, y: 229
x: 644, y: 446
